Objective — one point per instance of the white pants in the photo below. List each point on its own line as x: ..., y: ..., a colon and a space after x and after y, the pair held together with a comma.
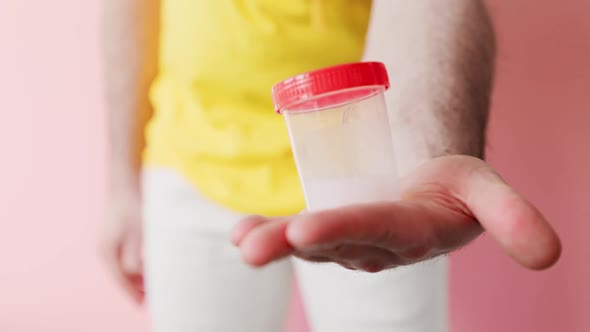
x: 196, y: 280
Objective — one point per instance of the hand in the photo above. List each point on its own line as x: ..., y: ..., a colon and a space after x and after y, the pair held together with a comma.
x: 445, y: 204
x: 120, y: 243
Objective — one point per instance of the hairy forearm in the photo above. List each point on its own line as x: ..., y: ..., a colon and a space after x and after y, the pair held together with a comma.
x: 440, y: 56
x: 130, y: 38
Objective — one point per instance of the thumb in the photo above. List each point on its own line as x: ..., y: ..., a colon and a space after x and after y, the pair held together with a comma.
x: 518, y: 227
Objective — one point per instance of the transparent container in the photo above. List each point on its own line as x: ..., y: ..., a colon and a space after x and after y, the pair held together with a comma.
x: 340, y: 134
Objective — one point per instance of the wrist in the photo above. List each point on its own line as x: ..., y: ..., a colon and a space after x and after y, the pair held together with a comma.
x: 124, y: 177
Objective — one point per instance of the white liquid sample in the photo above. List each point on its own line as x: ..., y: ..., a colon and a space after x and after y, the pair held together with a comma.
x: 329, y: 193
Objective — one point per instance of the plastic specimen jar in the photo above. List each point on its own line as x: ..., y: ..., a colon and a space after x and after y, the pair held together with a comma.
x: 340, y: 134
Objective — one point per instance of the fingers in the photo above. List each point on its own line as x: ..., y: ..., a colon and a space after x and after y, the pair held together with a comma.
x: 127, y: 271
x: 264, y: 241
x: 131, y: 265
x: 132, y: 284
x: 352, y: 256
x: 390, y: 225
x: 244, y: 227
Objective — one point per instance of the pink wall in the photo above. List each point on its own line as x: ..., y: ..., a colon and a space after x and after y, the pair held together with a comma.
x: 539, y: 140
x: 51, y: 173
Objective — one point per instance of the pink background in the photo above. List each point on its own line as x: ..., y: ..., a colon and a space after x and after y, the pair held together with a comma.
x: 52, y: 172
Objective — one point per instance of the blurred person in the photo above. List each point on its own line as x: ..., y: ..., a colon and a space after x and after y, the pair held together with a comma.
x: 213, y: 151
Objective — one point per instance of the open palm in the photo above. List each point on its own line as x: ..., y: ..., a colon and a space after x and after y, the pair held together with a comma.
x: 445, y: 204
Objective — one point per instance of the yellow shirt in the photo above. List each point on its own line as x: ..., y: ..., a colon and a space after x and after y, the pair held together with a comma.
x: 213, y: 115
